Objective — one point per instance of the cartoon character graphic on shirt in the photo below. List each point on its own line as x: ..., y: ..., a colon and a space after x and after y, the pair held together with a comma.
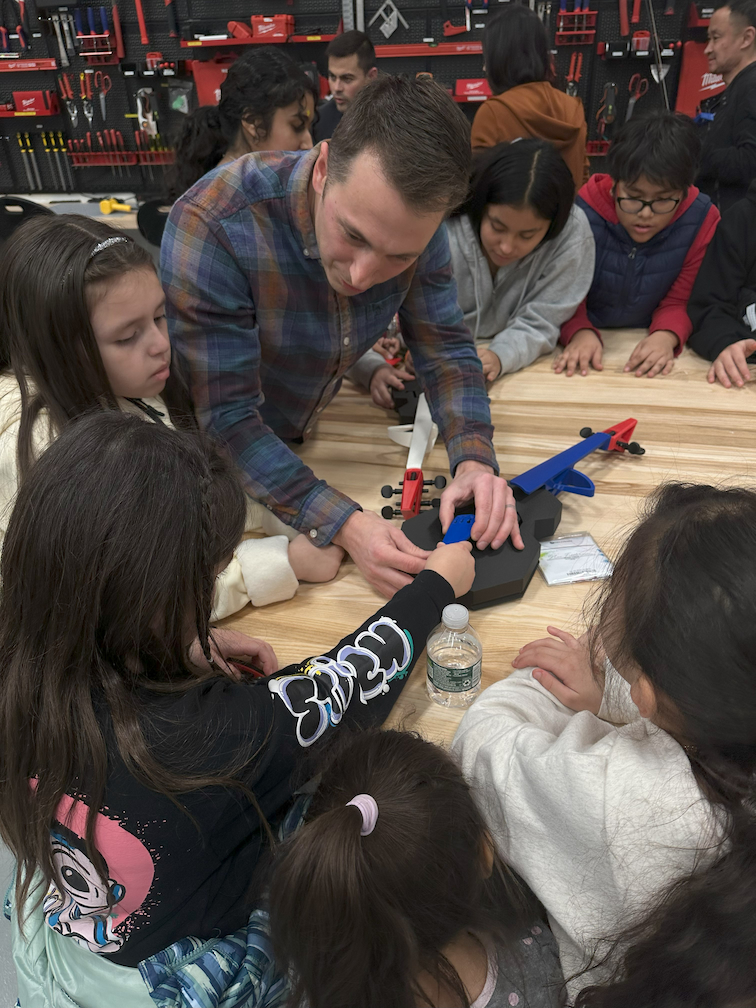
x: 81, y: 907
x: 318, y: 694
x: 93, y: 910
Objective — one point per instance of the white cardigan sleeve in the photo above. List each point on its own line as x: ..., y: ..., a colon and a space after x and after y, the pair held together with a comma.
x: 259, y: 571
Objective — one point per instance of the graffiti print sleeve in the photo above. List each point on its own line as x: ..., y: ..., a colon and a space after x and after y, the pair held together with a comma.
x: 359, y: 680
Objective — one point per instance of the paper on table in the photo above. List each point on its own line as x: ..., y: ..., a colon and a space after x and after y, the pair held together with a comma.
x: 570, y: 558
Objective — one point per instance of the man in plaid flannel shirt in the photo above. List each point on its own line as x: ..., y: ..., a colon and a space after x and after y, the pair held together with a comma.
x: 282, y: 269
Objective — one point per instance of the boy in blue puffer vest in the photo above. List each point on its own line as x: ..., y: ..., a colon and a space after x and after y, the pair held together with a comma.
x: 651, y: 226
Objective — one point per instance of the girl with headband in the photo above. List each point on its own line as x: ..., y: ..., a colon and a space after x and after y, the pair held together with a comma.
x: 82, y: 327
x: 392, y: 893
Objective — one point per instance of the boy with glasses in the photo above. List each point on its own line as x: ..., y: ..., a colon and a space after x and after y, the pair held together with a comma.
x: 651, y: 226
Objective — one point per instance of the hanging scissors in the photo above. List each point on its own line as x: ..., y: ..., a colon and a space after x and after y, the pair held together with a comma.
x: 102, y: 81
x: 638, y: 87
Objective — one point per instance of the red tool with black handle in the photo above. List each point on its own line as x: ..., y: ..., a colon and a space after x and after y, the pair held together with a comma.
x: 170, y: 9
x: 145, y: 38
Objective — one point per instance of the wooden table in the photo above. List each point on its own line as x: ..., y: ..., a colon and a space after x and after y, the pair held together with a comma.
x: 691, y: 431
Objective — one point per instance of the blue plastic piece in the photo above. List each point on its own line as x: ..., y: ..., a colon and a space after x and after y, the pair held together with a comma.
x: 459, y: 530
x: 572, y: 481
x: 559, y: 472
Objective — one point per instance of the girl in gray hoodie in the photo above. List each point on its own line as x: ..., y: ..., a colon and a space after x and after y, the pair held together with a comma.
x: 522, y: 253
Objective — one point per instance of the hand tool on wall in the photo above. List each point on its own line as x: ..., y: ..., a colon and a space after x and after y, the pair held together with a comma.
x: 624, y: 21
x: 575, y: 73
x: 67, y: 24
x: 23, y: 36
x: 145, y: 113
x: 670, y: 8
x: 66, y: 94
x: 119, y: 146
x: 391, y: 15
x: 636, y: 12
x: 48, y: 154
x: 25, y: 162
x: 33, y: 159
x: 64, y: 61
x: 658, y: 70
x: 120, y: 51
x: 65, y: 159
x: 637, y: 88
x: 85, y: 83
x: 607, y: 111
x: 145, y: 39
x: 102, y: 81
x: 170, y: 10
x: 143, y: 146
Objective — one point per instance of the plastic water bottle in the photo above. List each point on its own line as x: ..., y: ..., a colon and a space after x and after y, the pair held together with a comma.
x: 454, y: 659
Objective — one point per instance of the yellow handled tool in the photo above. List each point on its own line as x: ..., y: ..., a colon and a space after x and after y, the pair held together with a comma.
x: 109, y: 205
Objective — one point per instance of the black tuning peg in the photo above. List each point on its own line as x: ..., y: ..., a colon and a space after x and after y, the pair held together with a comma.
x: 389, y: 512
x: 585, y: 432
x: 633, y: 447
x: 439, y: 482
x: 389, y: 491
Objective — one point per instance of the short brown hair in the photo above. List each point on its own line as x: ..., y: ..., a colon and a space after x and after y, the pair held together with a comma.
x: 419, y: 136
x: 353, y: 43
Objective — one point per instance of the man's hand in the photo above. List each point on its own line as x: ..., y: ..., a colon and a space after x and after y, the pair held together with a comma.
x: 583, y: 351
x: 382, y: 552
x: 730, y: 367
x: 226, y: 643
x: 384, y: 379
x: 495, y: 511
x: 654, y: 355
x: 563, y: 667
x: 491, y: 364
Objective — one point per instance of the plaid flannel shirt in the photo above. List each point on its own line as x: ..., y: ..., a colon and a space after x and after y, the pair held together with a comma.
x: 267, y: 341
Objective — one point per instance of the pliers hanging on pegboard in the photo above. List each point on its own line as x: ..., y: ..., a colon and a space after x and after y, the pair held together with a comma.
x: 607, y: 111
x: 20, y: 28
x: 574, y: 74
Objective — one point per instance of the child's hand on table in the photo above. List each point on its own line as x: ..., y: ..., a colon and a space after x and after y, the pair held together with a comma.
x: 491, y: 364
x: 654, y: 355
x: 583, y: 351
x: 563, y: 667
x: 384, y: 379
x: 730, y: 367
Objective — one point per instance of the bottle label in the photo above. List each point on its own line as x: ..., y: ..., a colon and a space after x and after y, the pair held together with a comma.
x: 454, y: 680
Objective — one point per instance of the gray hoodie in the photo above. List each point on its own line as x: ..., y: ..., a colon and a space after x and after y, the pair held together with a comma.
x: 522, y: 308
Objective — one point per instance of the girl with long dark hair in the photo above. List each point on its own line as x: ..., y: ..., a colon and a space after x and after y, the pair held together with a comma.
x: 620, y: 769
x: 392, y: 893
x: 138, y: 791
x: 522, y: 253
x: 267, y: 102
x: 525, y: 102
x: 82, y: 327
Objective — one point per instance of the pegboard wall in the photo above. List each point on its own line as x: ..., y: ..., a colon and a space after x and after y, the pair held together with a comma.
x: 49, y: 145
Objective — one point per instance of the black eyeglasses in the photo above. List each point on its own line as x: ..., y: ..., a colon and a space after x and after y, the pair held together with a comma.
x: 630, y: 205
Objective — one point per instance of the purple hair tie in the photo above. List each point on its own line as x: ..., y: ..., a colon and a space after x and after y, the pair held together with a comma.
x: 368, y: 807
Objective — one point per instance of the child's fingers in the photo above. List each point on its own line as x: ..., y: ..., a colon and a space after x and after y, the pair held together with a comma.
x: 561, y: 634
x: 547, y: 655
x: 557, y: 688
x: 596, y: 361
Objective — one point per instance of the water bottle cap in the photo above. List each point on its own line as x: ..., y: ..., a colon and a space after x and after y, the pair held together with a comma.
x: 455, y: 617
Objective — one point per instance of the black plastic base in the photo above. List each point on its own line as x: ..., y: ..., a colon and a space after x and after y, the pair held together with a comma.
x: 405, y: 400
x: 504, y: 574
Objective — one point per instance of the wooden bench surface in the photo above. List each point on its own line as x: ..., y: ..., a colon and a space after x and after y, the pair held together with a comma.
x: 692, y: 431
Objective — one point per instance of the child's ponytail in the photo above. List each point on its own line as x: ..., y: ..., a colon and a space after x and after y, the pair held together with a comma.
x: 357, y: 918
x: 199, y: 147
x: 680, y: 608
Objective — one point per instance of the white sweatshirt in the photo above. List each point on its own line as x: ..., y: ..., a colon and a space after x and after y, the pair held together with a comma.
x: 259, y: 572
x: 597, y: 817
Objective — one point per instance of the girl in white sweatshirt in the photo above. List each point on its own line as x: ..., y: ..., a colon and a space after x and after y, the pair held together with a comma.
x: 618, y: 772
x: 522, y: 253
x: 82, y: 327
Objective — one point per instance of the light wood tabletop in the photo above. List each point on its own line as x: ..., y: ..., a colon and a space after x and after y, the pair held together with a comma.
x: 692, y: 431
